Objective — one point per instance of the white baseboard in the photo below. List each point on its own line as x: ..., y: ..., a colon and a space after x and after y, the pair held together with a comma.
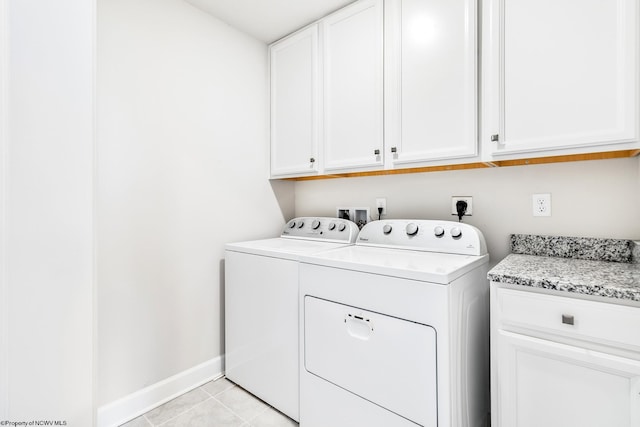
x: 137, y: 403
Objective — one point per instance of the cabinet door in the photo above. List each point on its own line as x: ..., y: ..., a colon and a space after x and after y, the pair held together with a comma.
x: 560, y: 74
x: 352, y: 81
x: 294, y: 104
x: 544, y: 383
x: 431, y: 93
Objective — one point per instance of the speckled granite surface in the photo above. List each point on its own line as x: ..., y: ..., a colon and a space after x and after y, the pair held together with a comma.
x: 616, y: 250
x: 567, y: 264
x: 601, y: 278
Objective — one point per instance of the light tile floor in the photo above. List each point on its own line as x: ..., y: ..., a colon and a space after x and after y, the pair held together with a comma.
x: 219, y: 403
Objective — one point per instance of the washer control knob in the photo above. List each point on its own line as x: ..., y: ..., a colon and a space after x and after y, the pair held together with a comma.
x: 387, y: 229
x: 292, y: 224
x: 341, y: 227
x: 301, y: 224
x: 315, y: 224
x: 412, y: 229
x: 332, y: 226
x: 438, y: 231
x: 456, y: 232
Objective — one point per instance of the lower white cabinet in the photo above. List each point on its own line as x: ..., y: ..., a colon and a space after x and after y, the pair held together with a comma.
x: 567, y: 373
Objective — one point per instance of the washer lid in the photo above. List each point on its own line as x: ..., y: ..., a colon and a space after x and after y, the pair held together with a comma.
x: 431, y: 267
x: 282, y: 247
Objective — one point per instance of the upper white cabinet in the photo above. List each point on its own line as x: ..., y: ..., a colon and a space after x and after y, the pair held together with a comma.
x: 431, y: 80
x: 391, y: 84
x: 560, y: 75
x: 295, y: 104
x: 353, y: 86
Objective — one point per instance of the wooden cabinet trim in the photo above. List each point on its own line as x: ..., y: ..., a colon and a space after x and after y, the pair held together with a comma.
x: 477, y: 165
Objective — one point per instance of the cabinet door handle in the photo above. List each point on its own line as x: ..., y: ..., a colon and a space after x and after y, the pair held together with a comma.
x: 394, y: 150
x: 376, y: 152
x: 495, y: 138
x: 312, y: 160
x: 567, y: 319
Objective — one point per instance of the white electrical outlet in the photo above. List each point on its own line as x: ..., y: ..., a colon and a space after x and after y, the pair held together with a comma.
x: 381, y: 203
x: 468, y: 199
x: 541, y: 204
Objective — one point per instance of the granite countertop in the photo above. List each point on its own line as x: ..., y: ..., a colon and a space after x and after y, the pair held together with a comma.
x: 599, y: 267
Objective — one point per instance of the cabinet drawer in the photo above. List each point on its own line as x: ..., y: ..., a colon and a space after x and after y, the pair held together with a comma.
x: 575, y: 318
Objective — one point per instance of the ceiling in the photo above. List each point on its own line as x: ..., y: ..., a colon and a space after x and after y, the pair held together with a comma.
x: 268, y: 20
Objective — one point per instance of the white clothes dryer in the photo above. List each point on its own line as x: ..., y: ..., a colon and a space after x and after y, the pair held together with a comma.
x: 394, y: 330
x: 261, y: 307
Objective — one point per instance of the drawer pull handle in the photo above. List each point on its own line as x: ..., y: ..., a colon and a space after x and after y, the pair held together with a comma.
x: 567, y: 319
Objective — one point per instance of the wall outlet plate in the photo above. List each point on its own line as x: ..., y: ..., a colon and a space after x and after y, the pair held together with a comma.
x: 468, y: 199
x: 358, y: 215
x: 541, y: 204
x: 344, y: 213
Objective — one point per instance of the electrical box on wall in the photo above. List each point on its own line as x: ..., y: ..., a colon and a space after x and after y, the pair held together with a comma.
x: 358, y: 215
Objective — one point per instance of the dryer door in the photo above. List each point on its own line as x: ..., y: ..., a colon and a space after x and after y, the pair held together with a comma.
x: 385, y: 360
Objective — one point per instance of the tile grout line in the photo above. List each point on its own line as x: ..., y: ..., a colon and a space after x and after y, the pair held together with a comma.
x: 242, y: 418
x: 182, y: 413
x: 190, y: 408
x: 230, y: 410
x: 246, y: 422
x: 252, y: 396
x: 220, y: 392
x: 234, y: 385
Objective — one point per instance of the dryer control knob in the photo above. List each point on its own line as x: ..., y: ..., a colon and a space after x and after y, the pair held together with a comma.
x: 292, y: 224
x: 438, y: 231
x: 332, y: 226
x: 301, y: 224
x: 315, y: 224
x: 387, y: 229
x: 456, y: 232
x: 412, y: 229
x: 341, y: 227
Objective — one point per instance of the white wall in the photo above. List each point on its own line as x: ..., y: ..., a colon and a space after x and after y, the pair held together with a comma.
x: 591, y: 198
x: 182, y: 170
x: 47, y: 211
x: 4, y: 304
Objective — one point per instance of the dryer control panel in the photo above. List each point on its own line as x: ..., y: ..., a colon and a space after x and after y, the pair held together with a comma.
x: 321, y: 228
x: 424, y: 235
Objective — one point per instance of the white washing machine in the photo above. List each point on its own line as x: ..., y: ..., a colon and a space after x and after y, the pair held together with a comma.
x: 394, y: 330
x: 261, y: 307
